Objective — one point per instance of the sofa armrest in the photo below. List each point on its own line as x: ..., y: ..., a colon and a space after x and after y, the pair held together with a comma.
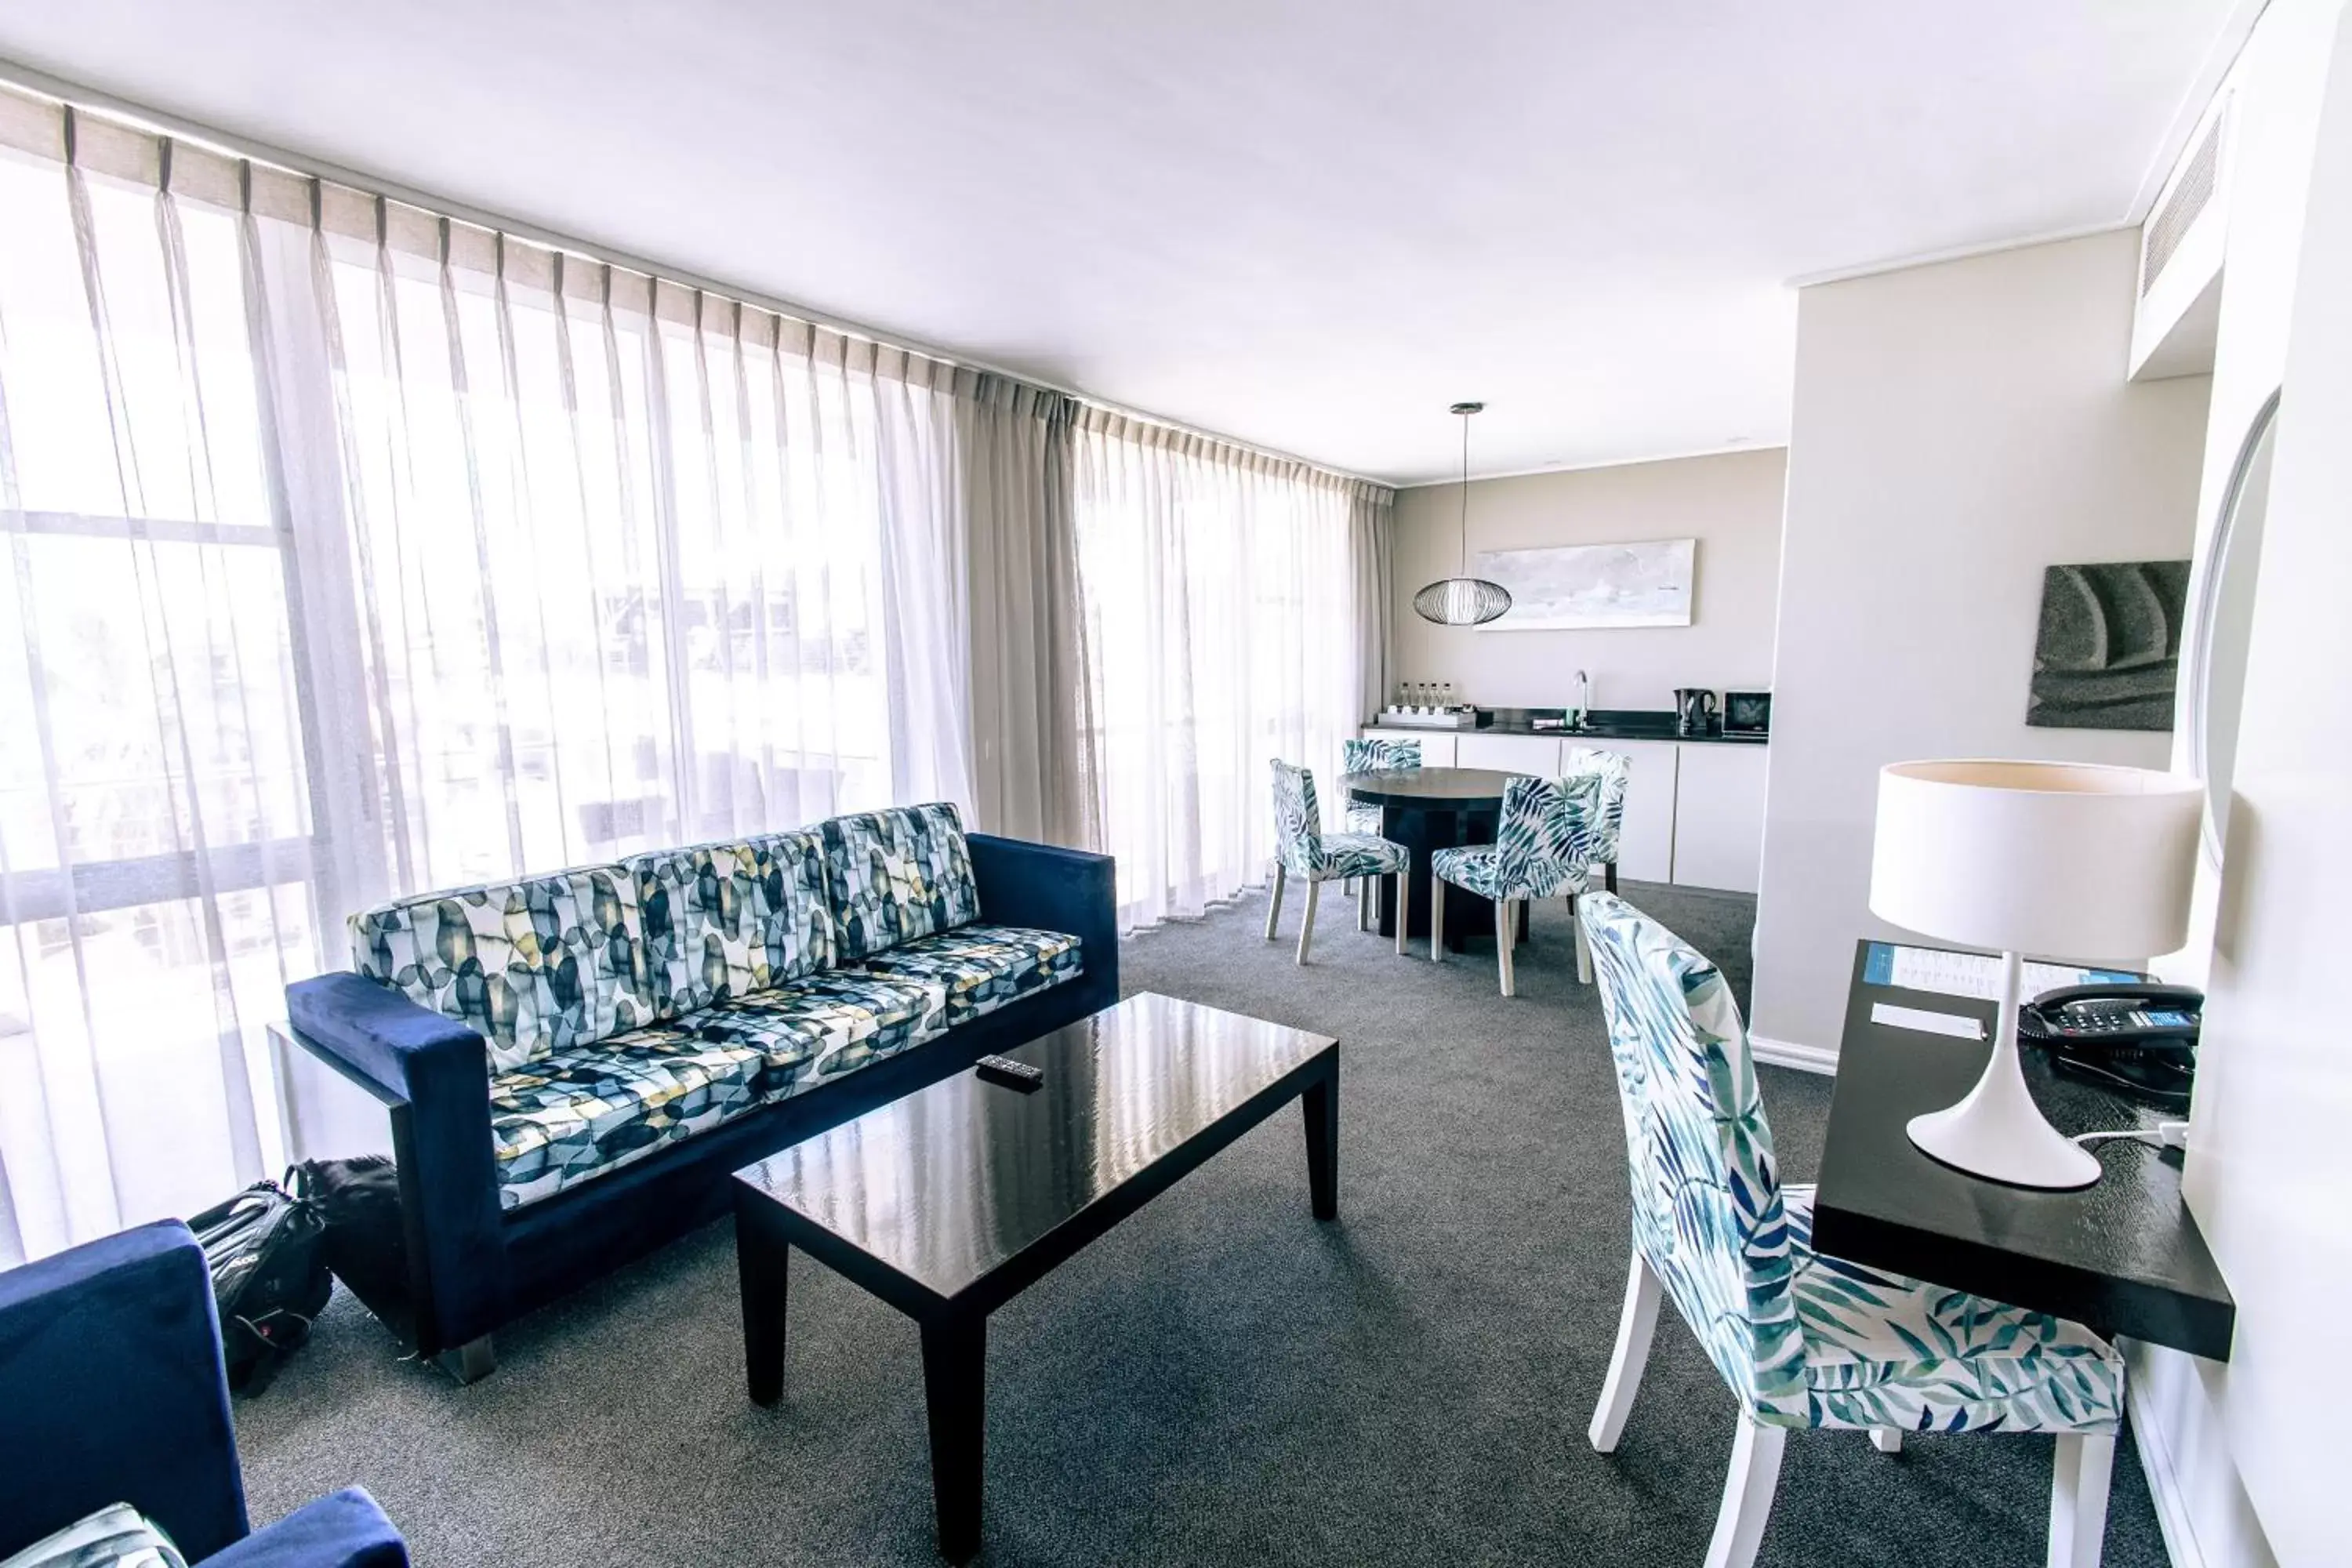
x: 1048, y: 887
x: 111, y: 1373
x: 435, y: 1073
x: 341, y: 1530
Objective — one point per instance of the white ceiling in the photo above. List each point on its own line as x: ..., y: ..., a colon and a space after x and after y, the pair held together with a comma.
x: 1310, y: 224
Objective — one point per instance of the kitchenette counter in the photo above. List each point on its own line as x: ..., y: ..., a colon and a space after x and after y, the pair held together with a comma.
x: 1601, y: 724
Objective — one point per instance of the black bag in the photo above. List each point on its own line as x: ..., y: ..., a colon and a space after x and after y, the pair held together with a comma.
x: 359, y: 1199
x: 270, y: 1277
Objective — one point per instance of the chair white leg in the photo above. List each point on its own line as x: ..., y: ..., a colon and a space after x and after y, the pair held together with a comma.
x: 1436, y: 918
x: 1635, y: 1324
x: 1274, y: 901
x: 1886, y: 1439
x: 1363, y: 899
x: 1306, y: 920
x: 1583, y: 948
x: 1506, y: 927
x: 1405, y: 896
x: 1746, y: 1495
x: 2078, y: 1500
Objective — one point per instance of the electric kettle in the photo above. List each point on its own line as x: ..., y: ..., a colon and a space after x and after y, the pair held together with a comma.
x: 1693, y: 710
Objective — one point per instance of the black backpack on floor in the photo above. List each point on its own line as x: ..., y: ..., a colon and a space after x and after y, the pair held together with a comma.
x: 269, y: 1276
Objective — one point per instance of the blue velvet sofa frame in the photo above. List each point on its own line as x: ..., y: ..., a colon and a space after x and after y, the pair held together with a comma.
x: 111, y: 1380
x: 472, y: 1267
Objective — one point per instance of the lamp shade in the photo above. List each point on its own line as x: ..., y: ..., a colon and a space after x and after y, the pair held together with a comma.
x: 2063, y: 859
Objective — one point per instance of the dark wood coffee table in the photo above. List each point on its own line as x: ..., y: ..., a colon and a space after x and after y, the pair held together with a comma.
x: 952, y: 1201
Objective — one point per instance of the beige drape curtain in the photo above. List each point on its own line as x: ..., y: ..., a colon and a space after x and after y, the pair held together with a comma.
x: 1032, y: 774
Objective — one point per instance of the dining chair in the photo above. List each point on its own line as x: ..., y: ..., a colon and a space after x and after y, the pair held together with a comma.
x: 1363, y: 755
x: 1805, y: 1340
x: 1303, y: 849
x: 1616, y: 772
x: 1543, y: 848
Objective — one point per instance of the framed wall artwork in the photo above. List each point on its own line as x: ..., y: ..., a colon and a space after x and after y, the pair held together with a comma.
x: 2107, y: 655
x: 1576, y: 586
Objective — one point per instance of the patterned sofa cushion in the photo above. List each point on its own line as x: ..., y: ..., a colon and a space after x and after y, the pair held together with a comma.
x: 897, y: 875
x: 585, y: 1109
x: 537, y: 965
x: 982, y: 967
x: 727, y: 920
x: 579, y: 1114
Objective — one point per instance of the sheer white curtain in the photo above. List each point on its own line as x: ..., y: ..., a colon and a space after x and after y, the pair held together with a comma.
x: 1223, y: 592
x: 345, y: 550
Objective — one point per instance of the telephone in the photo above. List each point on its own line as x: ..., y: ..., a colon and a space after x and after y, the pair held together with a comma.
x: 2136, y: 1035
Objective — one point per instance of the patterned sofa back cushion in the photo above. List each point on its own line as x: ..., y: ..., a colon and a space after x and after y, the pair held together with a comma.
x: 897, y: 875
x: 725, y: 921
x: 534, y: 965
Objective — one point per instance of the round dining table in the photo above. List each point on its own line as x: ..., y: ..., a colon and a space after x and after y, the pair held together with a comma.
x: 1427, y: 810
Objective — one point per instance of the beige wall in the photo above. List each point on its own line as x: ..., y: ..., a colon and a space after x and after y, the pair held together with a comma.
x: 1957, y: 429
x: 1730, y: 504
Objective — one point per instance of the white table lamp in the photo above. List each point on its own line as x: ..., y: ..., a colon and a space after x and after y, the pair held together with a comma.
x: 2058, y: 860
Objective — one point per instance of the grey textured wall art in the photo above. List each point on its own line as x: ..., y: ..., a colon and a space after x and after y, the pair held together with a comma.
x: 2108, y: 653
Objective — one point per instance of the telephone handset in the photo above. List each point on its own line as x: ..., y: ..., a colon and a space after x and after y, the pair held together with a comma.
x: 2136, y: 1035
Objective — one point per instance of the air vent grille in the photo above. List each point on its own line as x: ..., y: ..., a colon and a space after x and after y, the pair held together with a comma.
x: 2182, y: 204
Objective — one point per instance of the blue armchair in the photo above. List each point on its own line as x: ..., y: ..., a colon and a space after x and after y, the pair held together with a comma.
x: 110, y: 1371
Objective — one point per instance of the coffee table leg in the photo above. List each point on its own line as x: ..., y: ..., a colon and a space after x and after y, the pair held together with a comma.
x: 760, y: 1263
x: 1321, y: 1103
x: 955, y: 1381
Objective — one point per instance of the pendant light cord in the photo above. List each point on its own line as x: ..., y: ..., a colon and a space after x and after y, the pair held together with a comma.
x: 1466, y: 495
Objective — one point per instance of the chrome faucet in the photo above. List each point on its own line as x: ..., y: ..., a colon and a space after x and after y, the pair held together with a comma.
x: 1583, y: 700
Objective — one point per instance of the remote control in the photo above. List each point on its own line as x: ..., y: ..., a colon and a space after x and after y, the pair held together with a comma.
x: 1009, y: 1073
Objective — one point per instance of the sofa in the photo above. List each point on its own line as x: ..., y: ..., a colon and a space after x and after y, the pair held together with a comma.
x: 574, y: 1063
x: 112, y: 1377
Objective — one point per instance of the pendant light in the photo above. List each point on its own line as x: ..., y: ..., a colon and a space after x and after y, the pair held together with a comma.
x: 1463, y: 601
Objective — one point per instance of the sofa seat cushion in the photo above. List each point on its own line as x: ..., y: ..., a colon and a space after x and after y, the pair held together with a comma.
x: 723, y: 920
x: 982, y: 967
x: 585, y: 1109
x: 814, y: 1030
x: 897, y: 875
x: 535, y: 965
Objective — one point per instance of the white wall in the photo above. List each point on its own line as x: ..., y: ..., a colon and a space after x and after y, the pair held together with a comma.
x: 1730, y: 503
x: 1957, y: 429
x: 2248, y: 1446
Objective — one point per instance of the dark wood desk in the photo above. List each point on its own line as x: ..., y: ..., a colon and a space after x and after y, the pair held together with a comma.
x: 2124, y: 1257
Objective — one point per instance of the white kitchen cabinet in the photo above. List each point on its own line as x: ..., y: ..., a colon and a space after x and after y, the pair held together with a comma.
x: 1719, y: 816
x: 1436, y: 745
x: 1645, y: 848
x: 1536, y: 754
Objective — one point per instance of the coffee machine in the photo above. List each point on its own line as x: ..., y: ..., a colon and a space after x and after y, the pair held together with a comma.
x: 1693, y: 710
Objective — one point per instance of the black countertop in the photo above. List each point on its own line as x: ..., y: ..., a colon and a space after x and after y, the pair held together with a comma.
x: 1600, y: 724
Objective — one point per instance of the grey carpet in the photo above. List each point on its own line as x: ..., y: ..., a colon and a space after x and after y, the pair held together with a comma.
x: 1218, y: 1380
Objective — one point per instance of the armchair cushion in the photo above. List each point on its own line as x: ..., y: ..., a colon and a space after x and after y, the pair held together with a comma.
x: 898, y: 875
x: 536, y: 965
x: 982, y: 967
x: 727, y: 920
x: 116, y: 1536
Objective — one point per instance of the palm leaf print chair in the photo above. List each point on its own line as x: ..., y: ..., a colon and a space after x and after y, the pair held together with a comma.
x: 1608, y: 819
x: 1303, y: 849
x: 1805, y: 1340
x: 1364, y: 756
x: 1546, y: 847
